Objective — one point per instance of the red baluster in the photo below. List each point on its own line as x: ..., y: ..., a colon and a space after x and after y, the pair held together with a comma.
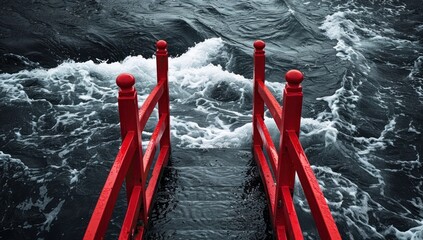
x: 258, y: 107
x: 162, y: 77
x: 129, y: 121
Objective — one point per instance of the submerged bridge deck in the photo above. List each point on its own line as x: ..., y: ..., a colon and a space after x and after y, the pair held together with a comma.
x: 210, y: 194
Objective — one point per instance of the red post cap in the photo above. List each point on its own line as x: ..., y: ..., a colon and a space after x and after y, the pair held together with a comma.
x: 294, y: 77
x: 259, y: 45
x: 161, y: 44
x: 125, y: 81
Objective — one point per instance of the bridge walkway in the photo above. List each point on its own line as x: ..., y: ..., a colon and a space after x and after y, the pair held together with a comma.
x: 210, y: 194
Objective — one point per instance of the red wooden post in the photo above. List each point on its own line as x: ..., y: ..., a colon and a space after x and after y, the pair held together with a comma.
x: 258, y: 107
x: 129, y: 121
x: 162, y: 77
x: 291, y: 117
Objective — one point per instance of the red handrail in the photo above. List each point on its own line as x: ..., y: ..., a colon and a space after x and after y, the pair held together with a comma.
x: 279, y: 175
x: 131, y: 164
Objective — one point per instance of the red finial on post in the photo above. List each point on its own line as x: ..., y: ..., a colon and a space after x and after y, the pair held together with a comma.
x: 161, y: 45
x: 126, y: 82
x: 162, y: 59
x: 294, y: 78
x: 259, y: 45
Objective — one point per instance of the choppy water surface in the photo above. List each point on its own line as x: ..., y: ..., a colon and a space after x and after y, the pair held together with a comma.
x: 362, y: 115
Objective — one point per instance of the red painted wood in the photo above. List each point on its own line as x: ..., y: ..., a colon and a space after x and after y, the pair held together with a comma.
x: 281, y: 232
x: 162, y: 78
x: 317, y: 202
x: 130, y: 221
x: 266, y: 175
x: 149, y: 104
x: 274, y: 108
x: 129, y: 121
x: 291, y: 220
x: 284, y: 165
x: 131, y: 164
x: 291, y: 117
x: 104, y: 208
x: 134, y: 168
x: 154, y: 141
x: 155, y: 176
x: 259, y: 71
x: 140, y: 233
x: 268, y: 143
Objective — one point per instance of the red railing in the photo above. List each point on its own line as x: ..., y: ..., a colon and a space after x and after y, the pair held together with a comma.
x: 289, y: 159
x: 131, y: 164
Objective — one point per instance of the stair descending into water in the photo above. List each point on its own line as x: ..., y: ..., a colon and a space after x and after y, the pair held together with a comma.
x: 210, y: 194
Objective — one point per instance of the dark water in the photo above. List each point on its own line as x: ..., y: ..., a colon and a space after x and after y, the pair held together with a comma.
x: 210, y: 194
x: 362, y: 115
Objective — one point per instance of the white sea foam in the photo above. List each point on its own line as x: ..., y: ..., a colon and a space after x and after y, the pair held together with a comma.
x: 412, y: 128
x: 341, y: 26
x: 416, y: 77
x: 347, y: 25
x: 192, y: 79
x: 414, y: 233
x: 346, y: 201
x: 354, y: 36
x: 41, y: 204
x: 198, y: 56
x: 7, y: 158
x: 380, y: 143
x: 316, y: 127
x: 368, y: 145
x: 356, y: 207
x: 51, y: 216
x: 74, y: 175
x: 192, y: 135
